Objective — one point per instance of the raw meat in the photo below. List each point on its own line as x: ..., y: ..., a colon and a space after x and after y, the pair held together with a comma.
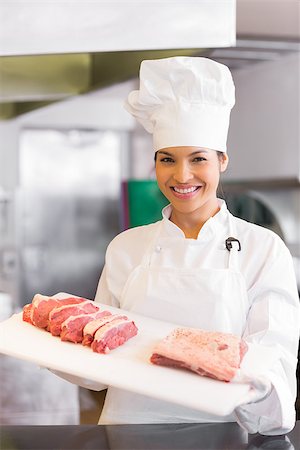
x: 27, y: 313
x: 58, y: 315
x: 72, y: 328
x: 42, y: 305
x: 113, y: 335
x: 213, y: 354
x: 78, y: 320
x: 91, y: 328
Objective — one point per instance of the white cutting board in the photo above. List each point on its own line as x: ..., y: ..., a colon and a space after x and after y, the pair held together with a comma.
x: 126, y: 367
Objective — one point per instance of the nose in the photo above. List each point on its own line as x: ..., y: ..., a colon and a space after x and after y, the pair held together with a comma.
x: 182, y: 173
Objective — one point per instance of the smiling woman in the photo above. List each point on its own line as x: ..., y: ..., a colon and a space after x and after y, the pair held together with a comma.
x: 189, y: 179
x: 201, y: 267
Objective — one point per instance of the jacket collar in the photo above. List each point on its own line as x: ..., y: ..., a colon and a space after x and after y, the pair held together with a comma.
x: 212, y: 226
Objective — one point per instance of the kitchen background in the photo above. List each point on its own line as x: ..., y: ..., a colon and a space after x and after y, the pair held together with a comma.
x: 74, y: 164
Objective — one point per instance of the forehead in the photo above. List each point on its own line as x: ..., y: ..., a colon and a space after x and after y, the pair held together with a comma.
x: 184, y: 151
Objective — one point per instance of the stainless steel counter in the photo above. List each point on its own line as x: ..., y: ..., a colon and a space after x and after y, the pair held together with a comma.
x: 143, y: 437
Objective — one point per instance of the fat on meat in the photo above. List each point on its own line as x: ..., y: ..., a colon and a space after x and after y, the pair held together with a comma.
x: 91, y: 328
x: 79, y: 320
x: 213, y: 354
x: 72, y: 328
x: 42, y: 305
x: 113, y: 334
x: 58, y: 315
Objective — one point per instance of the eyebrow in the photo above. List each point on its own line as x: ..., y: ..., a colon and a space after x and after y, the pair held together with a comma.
x: 190, y: 154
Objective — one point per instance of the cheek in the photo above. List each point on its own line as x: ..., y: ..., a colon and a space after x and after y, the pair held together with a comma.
x: 161, y: 176
x: 209, y: 173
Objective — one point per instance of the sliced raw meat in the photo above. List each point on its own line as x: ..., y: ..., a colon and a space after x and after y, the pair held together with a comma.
x: 72, y: 328
x: 58, y: 315
x: 27, y: 313
x: 113, y: 335
x: 77, y: 320
x: 42, y: 305
x: 91, y: 328
x: 213, y: 354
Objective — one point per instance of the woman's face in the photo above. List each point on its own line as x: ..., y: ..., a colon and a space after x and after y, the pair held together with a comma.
x: 189, y: 176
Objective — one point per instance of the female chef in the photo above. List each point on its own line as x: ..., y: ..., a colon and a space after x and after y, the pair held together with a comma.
x: 200, y: 266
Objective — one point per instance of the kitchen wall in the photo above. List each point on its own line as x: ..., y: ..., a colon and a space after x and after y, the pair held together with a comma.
x: 101, y: 110
x: 30, y: 395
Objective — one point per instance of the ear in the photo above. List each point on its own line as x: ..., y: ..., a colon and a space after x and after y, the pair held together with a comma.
x: 224, y: 162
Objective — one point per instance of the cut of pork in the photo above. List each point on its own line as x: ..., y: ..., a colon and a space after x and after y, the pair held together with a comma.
x: 91, y: 328
x: 72, y: 328
x: 113, y: 334
x: 213, y: 354
x: 42, y: 305
x: 58, y: 315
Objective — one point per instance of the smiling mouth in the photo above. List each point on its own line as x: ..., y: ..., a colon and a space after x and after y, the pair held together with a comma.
x: 184, y: 191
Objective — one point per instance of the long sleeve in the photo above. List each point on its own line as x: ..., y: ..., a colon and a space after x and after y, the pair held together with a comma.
x: 273, y: 322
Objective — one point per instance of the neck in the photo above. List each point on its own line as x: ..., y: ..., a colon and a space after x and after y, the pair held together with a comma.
x: 192, y: 222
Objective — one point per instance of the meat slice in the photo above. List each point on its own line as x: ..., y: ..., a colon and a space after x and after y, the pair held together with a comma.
x: 113, y: 334
x: 42, y: 305
x: 78, y: 320
x: 91, y: 328
x: 213, y: 354
x: 72, y: 328
x: 58, y: 315
x: 27, y: 313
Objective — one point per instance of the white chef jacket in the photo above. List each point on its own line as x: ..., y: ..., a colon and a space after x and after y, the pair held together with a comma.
x: 272, y: 321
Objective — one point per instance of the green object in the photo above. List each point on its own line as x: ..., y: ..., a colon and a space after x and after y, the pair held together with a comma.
x: 145, y: 202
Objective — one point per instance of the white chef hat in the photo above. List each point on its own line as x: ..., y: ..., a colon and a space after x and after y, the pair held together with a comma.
x: 184, y: 101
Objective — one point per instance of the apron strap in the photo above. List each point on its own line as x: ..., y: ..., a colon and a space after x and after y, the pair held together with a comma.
x: 233, y: 245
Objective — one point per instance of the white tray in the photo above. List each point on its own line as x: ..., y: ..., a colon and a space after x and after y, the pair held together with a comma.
x: 126, y: 367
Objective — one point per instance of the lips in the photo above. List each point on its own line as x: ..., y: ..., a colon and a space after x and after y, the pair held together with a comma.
x: 185, y: 192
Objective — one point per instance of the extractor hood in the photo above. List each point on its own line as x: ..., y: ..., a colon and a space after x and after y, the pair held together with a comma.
x: 53, y: 50
x: 50, y: 51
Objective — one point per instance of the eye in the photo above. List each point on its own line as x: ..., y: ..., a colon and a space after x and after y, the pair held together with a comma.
x: 199, y: 159
x: 166, y: 159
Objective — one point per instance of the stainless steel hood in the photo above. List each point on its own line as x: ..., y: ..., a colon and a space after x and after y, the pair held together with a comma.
x: 30, y: 82
x: 49, y: 54
x: 53, y: 50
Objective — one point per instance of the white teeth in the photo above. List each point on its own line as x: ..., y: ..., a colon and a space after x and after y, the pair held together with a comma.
x: 185, y: 190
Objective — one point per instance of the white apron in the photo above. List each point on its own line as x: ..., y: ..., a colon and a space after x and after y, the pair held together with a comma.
x: 211, y: 299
